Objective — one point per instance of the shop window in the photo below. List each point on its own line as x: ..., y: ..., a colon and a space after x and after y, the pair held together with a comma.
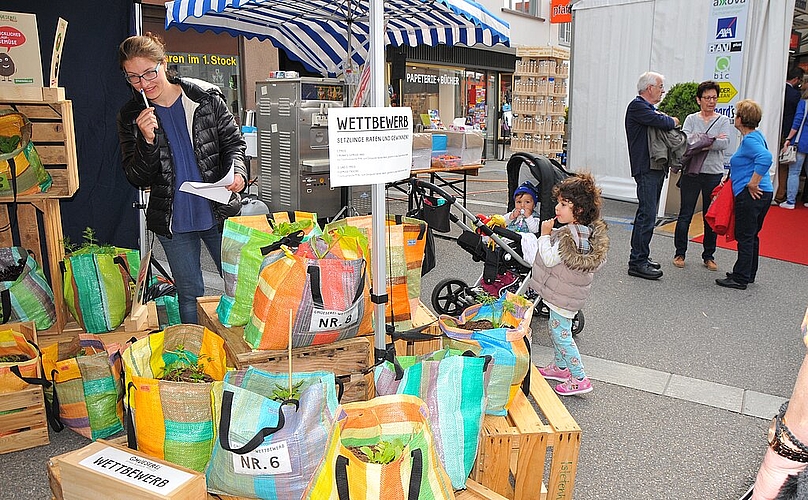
x: 565, y: 34
x: 426, y: 89
x: 530, y: 7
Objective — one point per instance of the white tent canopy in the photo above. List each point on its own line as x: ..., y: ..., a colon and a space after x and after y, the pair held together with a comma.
x: 615, y: 41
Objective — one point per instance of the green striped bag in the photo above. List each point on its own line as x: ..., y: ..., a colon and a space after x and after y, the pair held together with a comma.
x: 97, y: 286
x: 269, y: 448
x: 24, y: 293
x: 453, y: 387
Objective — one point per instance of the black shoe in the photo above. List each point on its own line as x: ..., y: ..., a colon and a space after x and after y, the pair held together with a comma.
x: 645, y: 272
x: 732, y: 277
x: 654, y: 263
x: 730, y: 283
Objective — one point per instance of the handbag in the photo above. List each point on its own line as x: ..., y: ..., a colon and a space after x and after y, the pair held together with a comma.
x: 96, y: 286
x: 507, y: 342
x: 405, y: 243
x: 325, y: 293
x: 21, y: 169
x: 87, y: 386
x: 455, y: 416
x: 396, y: 423
x: 788, y: 155
x: 167, y: 419
x: 269, y: 441
x: 242, y: 240
x: 25, y: 295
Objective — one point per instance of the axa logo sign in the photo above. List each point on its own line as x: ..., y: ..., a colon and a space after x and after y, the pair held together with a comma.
x: 726, y: 28
x: 721, y: 3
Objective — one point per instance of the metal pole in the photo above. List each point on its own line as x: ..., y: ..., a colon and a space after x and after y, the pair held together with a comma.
x: 378, y: 285
x: 142, y: 195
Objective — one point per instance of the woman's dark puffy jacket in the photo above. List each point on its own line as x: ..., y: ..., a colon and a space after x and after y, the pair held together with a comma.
x: 217, y: 144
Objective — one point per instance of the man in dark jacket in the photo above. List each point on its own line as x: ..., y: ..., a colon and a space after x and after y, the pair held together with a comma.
x: 640, y: 115
x: 792, y: 98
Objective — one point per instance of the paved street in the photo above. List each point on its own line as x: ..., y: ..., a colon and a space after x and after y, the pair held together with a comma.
x: 686, y: 374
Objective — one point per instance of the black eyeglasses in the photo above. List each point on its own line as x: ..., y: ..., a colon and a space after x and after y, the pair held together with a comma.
x: 148, y: 76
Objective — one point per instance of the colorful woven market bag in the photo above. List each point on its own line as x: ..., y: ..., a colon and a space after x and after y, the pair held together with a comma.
x: 21, y: 169
x: 97, y: 287
x: 326, y: 294
x: 405, y: 242
x: 174, y: 420
x: 507, y: 342
x: 87, y: 387
x: 20, y: 353
x: 394, y: 429
x: 242, y: 240
x: 270, y: 441
x: 25, y: 295
x: 453, y: 387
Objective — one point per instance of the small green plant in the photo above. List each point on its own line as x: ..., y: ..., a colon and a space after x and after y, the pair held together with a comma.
x: 13, y: 358
x: 90, y: 245
x: 383, y: 452
x: 283, y: 393
x: 184, y: 368
x: 680, y: 101
x: 8, y: 144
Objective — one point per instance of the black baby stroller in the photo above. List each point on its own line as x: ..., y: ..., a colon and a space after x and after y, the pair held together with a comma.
x: 500, y: 250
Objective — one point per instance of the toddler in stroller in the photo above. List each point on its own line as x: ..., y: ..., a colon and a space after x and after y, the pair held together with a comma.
x: 507, y: 255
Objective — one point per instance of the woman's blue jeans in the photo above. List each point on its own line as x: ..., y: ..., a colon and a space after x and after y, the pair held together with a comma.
x: 183, y: 252
x: 793, y: 184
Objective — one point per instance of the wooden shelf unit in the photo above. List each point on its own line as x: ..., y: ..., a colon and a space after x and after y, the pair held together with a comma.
x: 35, y: 221
x: 540, y: 92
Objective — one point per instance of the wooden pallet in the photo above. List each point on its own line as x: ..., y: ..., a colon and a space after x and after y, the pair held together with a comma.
x: 35, y: 221
x: 513, y: 449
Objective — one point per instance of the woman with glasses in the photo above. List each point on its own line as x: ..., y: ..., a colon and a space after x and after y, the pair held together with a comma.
x: 175, y: 130
x: 705, y: 122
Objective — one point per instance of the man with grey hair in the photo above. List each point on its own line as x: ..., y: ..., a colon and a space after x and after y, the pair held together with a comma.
x: 640, y: 115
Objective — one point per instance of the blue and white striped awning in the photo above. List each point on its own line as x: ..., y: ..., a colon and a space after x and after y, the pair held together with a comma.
x: 320, y: 33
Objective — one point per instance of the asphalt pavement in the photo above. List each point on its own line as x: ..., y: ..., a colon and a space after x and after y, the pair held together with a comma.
x: 686, y: 374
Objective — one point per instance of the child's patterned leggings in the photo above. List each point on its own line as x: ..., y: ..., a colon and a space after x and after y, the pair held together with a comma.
x: 566, y: 352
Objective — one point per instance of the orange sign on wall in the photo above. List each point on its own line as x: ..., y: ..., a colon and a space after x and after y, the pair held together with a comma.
x: 560, y: 11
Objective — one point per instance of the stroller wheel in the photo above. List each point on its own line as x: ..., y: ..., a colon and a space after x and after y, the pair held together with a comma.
x: 450, y: 297
x: 578, y: 323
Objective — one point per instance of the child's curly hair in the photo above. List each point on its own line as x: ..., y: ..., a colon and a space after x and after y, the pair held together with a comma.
x: 583, y: 193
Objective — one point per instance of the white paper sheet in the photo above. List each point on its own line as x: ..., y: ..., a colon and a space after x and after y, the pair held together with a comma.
x: 215, y: 191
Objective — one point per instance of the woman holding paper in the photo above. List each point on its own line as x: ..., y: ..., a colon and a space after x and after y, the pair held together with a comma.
x: 177, y: 130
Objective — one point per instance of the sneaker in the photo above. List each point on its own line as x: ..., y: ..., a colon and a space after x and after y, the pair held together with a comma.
x: 786, y: 205
x: 805, y: 204
x: 710, y: 265
x: 679, y: 261
x: 552, y: 372
x: 573, y: 386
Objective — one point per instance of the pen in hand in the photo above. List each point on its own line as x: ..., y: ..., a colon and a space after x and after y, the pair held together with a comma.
x: 145, y: 101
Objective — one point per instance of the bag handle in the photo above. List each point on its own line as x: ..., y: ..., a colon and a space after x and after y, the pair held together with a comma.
x: 5, y: 295
x: 416, y: 476
x: 258, y: 438
x: 316, y: 292
x: 51, y: 409
x: 131, y: 439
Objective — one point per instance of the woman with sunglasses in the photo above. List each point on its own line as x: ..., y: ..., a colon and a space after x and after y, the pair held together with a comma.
x: 175, y: 130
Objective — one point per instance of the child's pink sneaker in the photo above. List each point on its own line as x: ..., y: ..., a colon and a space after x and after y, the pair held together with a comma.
x: 552, y: 372
x: 573, y: 386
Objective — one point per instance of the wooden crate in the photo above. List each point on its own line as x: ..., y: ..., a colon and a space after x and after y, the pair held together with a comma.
x: 25, y: 425
x: 513, y: 449
x: 53, y: 136
x: 423, y: 316
x: 347, y: 358
x: 69, y: 479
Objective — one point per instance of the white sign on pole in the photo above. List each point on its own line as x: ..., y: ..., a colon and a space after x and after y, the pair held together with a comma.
x: 723, y: 60
x: 369, y: 145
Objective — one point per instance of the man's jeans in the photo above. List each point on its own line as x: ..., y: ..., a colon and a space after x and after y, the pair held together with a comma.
x: 690, y: 186
x: 183, y: 252
x: 649, y: 188
x: 749, y: 215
